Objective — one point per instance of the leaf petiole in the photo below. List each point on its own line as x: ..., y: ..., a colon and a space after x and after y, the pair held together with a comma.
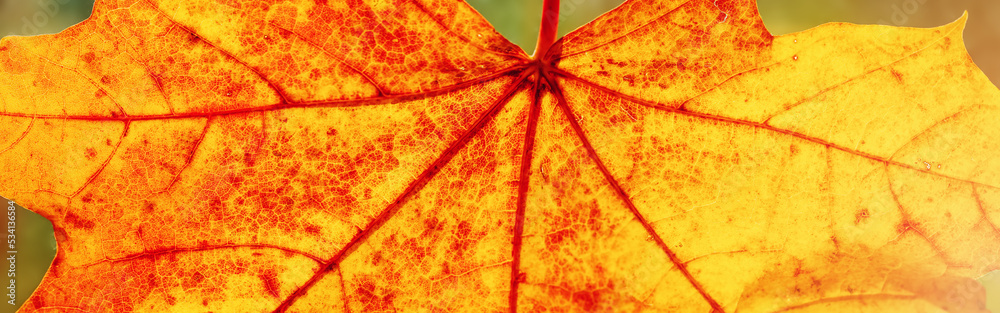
x: 547, y: 31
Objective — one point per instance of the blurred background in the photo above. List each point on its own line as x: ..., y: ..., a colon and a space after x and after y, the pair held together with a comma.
x: 35, y: 244
x: 33, y: 17
x: 518, y: 20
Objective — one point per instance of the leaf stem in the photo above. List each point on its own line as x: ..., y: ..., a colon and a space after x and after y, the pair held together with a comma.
x: 549, y: 28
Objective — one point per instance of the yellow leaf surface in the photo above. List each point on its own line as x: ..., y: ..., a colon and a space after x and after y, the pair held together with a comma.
x: 362, y: 155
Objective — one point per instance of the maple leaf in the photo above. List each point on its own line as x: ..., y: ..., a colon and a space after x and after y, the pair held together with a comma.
x: 300, y: 156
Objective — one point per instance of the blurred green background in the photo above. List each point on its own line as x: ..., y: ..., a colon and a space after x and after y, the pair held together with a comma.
x: 518, y: 20
x: 33, y: 17
x: 36, y: 247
